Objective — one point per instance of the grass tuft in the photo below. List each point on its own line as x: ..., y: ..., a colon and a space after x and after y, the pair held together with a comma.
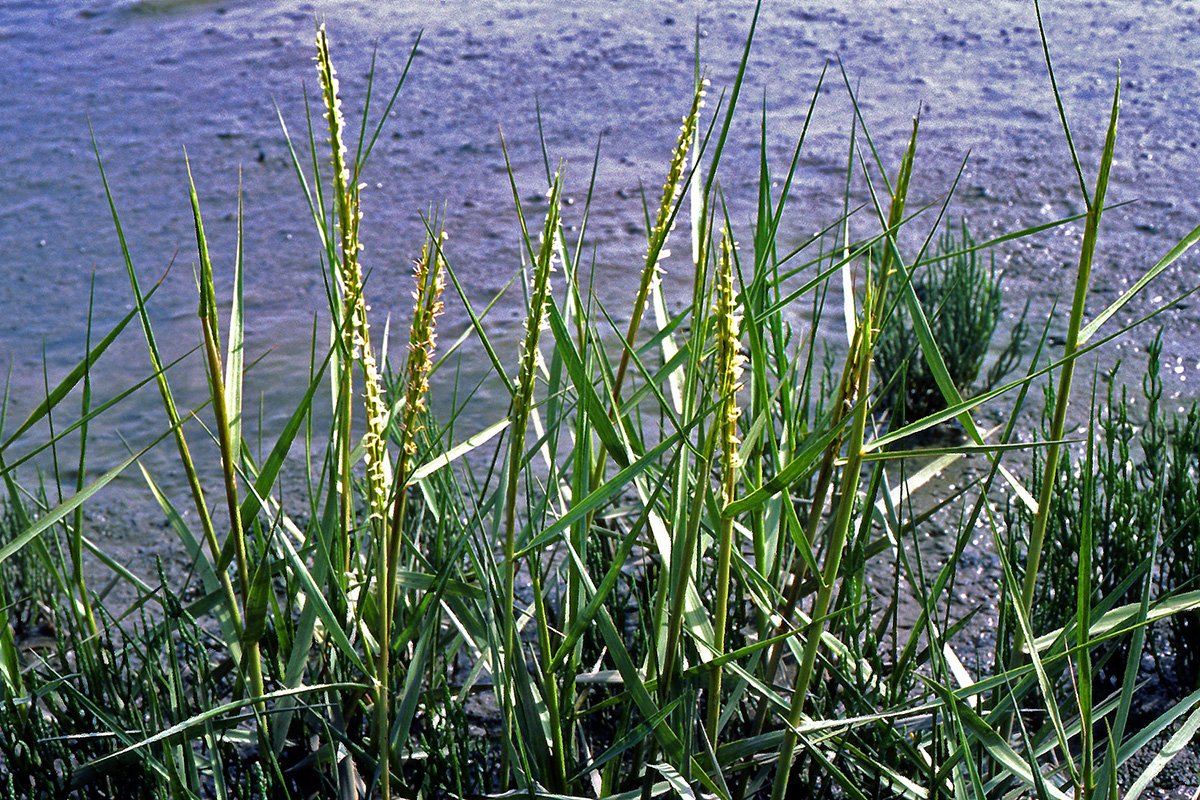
x: 689, y: 558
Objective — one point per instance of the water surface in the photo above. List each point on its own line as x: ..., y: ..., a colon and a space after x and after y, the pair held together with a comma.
x: 156, y: 79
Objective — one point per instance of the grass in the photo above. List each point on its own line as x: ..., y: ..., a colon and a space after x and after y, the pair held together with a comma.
x: 1136, y: 485
x: 961, y: 300
x: 655, y: 565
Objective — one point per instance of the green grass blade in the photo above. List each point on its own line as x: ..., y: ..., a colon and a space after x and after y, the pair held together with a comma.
x: 314, y: 594
x: 68, y: 506
x: 215, y: 715
x: 1062, y: 114
x: 94, y: 413
x: 257, y: 603
x: 1057, y: 425
x: 235, y: 354
x: 1170, y: 258
x: 598, y: 418
x: 470, y: 444
x: 603, y: 494
x: 795, y: 470
x: 78, y: 373
x: 584, y: 617
x: 1180, y: 739
x: 992, y: 741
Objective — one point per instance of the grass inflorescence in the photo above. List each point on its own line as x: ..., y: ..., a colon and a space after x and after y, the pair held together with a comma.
x: 655, y: 572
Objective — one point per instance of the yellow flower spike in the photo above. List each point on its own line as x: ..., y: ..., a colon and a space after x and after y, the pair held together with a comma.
x: 729, y: 372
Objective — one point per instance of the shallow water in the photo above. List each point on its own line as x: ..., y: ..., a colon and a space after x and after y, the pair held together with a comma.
x: 156, y: 78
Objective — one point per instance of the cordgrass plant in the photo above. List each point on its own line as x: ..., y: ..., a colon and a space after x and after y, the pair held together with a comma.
x: 961, y: 299
x: 655, y: 564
